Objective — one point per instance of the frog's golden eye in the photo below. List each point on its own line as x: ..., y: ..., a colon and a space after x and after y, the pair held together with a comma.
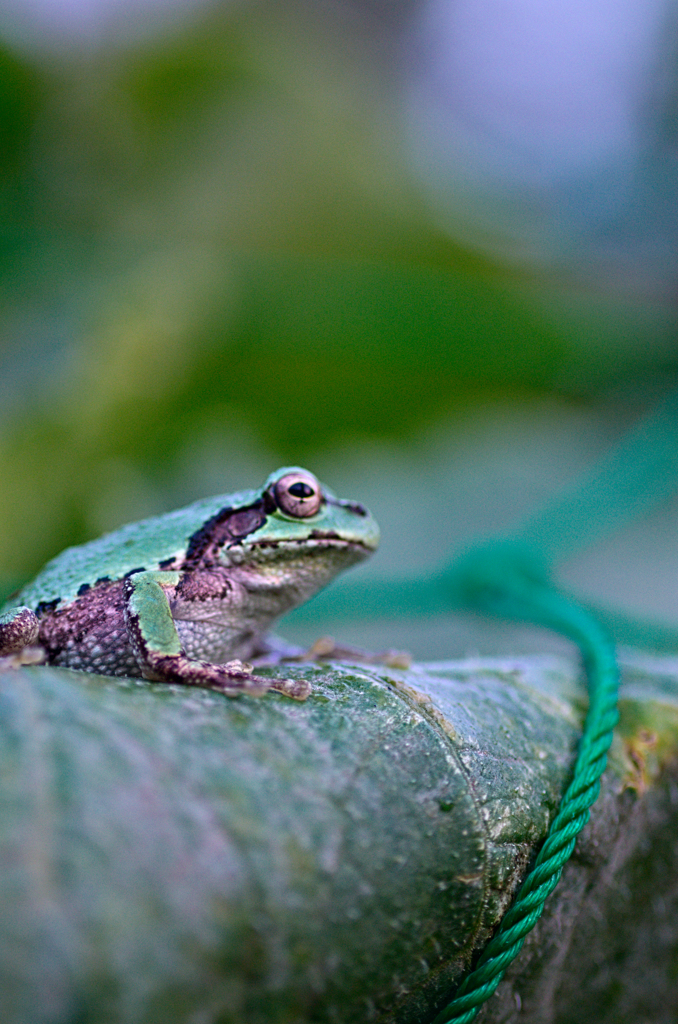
x: 298, y: 495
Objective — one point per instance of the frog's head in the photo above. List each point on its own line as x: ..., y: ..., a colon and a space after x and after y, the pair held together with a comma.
x: 302, y: 515
x: 293, y: 537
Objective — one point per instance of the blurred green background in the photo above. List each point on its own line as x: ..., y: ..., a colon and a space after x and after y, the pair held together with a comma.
x: 220, y: 254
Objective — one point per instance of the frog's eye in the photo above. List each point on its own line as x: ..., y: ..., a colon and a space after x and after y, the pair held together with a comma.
x: 298, y: 495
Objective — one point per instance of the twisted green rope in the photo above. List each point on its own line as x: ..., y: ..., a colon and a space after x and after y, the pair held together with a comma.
x: 504, y: 579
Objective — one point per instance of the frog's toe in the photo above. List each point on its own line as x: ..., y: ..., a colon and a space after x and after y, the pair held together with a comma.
x: 241, y: 680
x: 18, y: 629
x: 232, y: 678
x: 298, y: 689
x: 240, y: 672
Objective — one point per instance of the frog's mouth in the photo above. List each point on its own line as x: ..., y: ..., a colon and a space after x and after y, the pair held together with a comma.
x: 336, y: 538
x: 348, y: 549
x: 316, y: 539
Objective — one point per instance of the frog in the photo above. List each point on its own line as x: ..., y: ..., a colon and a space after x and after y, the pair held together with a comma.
x: 189, y: 597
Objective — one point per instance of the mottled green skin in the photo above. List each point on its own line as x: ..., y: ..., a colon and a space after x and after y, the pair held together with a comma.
x: 151, y: 541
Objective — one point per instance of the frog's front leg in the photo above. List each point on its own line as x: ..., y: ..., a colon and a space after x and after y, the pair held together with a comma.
x: 158, y: 651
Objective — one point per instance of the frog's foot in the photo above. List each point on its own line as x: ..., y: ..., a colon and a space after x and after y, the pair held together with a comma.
x: 232, y: 678
x: 18, y: 629
x: 240, y: 676
x: 298, y: 689
x: 326, y: 648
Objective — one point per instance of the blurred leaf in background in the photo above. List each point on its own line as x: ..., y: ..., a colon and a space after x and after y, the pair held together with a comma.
x: 221, y: 251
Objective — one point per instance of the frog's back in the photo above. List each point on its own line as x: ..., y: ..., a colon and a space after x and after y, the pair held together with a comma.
x: 142, y: 545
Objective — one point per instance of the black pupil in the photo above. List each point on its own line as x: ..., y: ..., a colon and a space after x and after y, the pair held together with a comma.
x: 301, y: 490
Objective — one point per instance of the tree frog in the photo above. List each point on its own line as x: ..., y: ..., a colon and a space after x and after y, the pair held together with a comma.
x: 184, y: 597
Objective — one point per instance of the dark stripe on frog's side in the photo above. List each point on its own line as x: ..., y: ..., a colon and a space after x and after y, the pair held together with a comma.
x: 228, y: 526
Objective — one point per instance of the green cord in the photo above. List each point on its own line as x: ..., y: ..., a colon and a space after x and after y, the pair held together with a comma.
x: 639, y: 472
x: 508, y: 578
x: 505, y: 579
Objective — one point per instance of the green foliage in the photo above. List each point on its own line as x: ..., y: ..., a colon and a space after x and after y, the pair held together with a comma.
x: 183, y: 78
